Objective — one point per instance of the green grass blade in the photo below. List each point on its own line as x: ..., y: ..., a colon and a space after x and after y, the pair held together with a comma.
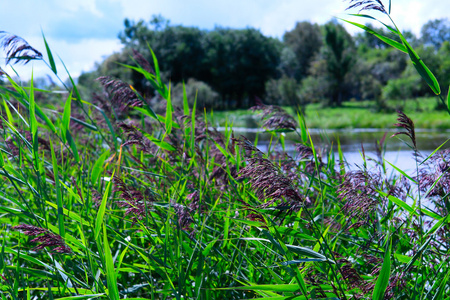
x: 421, y: 67
x: 73, y: 146
x: 442, y: 288
x: 50, y: 56
x: 101, y: 211
x: 435, y: 150
x: 385, y: 273
x: 185, y: 101
x: 169, y: 111
x: 113, y: 291
x: 79, y: 297
x: 387, y: 40
x: 399, y: 202
x: 98, y: 167
x: 66, y: 117
x: 402, y: 172
x: 58, y: 193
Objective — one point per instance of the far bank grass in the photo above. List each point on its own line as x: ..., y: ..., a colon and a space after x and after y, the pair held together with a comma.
x: 351, y: 115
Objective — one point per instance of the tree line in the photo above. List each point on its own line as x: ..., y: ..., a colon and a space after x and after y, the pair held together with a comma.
x: 231, y: 68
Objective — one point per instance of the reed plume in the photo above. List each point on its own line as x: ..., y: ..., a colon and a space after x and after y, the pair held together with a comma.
x: 367, y: 5
x: 17, y: 49
x: 48, y: 239
x: 266, y: 179
x: 405, y: 122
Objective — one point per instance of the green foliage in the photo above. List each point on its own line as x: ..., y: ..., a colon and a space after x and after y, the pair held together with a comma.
x: 305, y: 41
x: 198, y: 91
x: 284, y: 91
x: 234, y: 62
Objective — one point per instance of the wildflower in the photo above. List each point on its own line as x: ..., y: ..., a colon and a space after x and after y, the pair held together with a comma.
x: 48, y: 239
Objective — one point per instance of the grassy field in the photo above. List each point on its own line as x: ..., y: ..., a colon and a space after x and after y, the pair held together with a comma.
x: 351, y: 115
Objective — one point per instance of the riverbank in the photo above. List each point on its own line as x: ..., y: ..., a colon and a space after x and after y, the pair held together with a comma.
x: 351, y: 115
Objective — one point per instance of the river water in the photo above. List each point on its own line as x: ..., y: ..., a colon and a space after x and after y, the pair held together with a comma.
x: 396, y: 149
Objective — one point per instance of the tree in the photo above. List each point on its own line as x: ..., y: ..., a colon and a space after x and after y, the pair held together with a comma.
x: 179, y: 49
x: 240, y: 61
x: 339, y: 56
x: 305, y: 41
x: 435, y: 32
x: 234, y: 62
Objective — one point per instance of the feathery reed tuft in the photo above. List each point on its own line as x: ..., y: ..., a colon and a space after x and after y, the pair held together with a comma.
x: 134, y: 201
x: 17, y: 49
x: 274, y: 117
x: 367, y: 5
x: 122, y: 96
x: 267, y: 180
x: 140, y: 59
x: 405, y: 122
x: 48, y: 239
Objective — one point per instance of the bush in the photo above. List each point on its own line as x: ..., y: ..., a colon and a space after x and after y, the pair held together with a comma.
x: 283, y: 91
x: 195, y: 89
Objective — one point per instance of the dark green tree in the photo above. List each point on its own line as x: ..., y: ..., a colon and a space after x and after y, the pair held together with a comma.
x: 179, y: 49
x: 305, y: 41
x: 339, y: 54
x: 240, y: 61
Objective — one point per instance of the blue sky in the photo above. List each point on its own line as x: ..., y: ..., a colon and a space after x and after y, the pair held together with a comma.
x: 83, y: 32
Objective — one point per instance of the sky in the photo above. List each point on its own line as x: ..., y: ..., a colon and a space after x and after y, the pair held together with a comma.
x: 82, y: 33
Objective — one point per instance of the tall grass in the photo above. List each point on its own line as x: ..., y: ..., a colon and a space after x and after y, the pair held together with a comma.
x: 112, y: 200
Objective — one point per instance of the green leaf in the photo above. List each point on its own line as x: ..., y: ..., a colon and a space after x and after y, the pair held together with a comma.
x: 399, y: 202
x: 266, y: 287
x: 442, y: 288
x: 435, y: 150
x: 185, y: 101
x: 81, y: 297
x: 402, y: 172
x: 169, y: 119
x: 66, y: 116
x: 147, y: 111
x: 111, y: 278
x: 387, y: 40
x: 59, y: 203
x: 385, y: 273
x: 162, y: 144
x: 72, y: 215
x: 421, y: 67
x: 73, y: 146
x: 208, y: 248
x: 50, y: 56
x: 448, y: 98
x: 101, y: 211
x: 98, y: 167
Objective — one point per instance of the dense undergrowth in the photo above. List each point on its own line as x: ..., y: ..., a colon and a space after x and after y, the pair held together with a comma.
x: 110, y: 200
